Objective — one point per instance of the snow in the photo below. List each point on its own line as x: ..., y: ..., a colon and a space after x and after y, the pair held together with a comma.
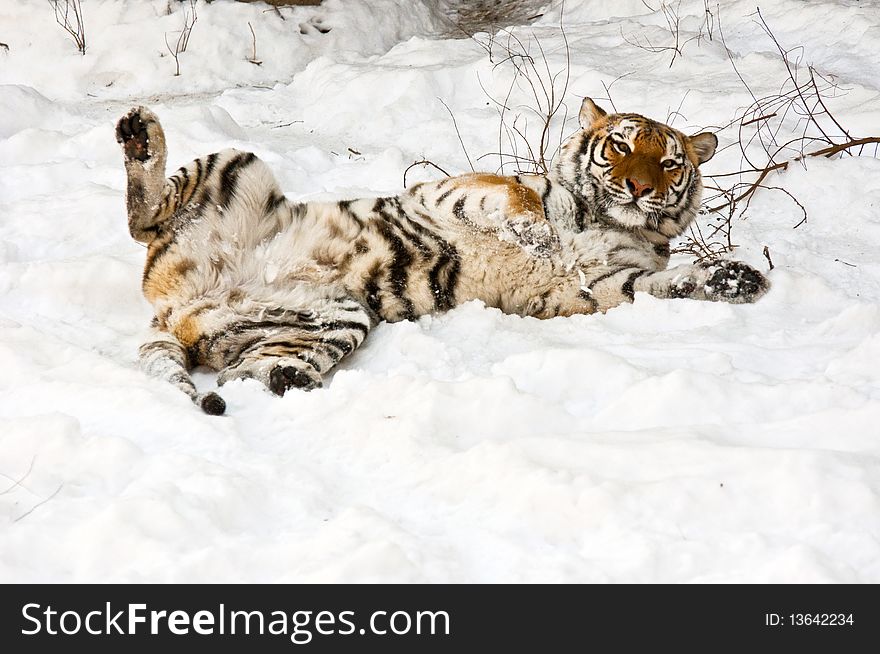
x: 671, y: 440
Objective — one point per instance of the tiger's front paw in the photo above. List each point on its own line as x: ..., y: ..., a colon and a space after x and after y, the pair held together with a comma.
x: 140, y: 134
x: 735, y: 282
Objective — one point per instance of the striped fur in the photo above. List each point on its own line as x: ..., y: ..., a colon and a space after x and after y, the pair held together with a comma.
x: 253, y: 285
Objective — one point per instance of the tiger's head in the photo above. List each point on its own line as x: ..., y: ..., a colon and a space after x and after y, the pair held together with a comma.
x: 635, y: 171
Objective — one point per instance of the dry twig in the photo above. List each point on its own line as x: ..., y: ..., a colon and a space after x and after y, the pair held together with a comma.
x: 422, y: 162
x: 253, y: 59
x: 773, y: 133
x: 72, y: 24
x: 189, y: 20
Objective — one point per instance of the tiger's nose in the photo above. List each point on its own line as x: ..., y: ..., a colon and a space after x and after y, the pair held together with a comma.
x: 638, y: 189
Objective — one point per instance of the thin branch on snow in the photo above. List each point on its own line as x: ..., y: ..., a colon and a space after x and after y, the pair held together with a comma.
x: 422, y: 162
x: 528, y: 64
x: 773, y: 133
x: 17, y: 483
x: 824, y: 152
x: 39, y: 504
x: 253, y: 59
x: 189, y: 20
x: 674, y: 42
x: 72, y: 24
x: 458, y: 133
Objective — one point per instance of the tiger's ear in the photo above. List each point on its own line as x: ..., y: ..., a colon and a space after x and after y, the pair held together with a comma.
x: 590, y: 113
x: 704, y: 145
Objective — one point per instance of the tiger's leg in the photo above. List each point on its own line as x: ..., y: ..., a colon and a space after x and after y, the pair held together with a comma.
x: 165, y: 358
x: 720, y: 281
x: 493, y: 204
x: 143, y: 145
x: 295, y: 349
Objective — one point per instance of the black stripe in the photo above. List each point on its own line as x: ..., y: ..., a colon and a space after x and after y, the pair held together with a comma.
x: 345, y: 209
x: 200, y: 170
x: 443, y: 196
x: 458, y: 209
x: 229, y: 176
x: 338, y: 325
x: 588, y: 145
x: 244, y: 346
x: 305, y: 358
x: 205, y: 199
x: 206, y: 343
x: 627, y: 287
x: 398, y: 270
x: 661, y: 249
x: 586, y: 297
x: 371, y: 290
x: 212, y: 161
x: 274, y: 200
x: 151, y: 260
x: 343, y: 346
x: 448, y: 260
x: 581, y: 212
x: 546, y: 196
x: 416, y: 242
x: 601, y: 278
x: 183, y: 185
x: 452, y: 273
x: 442, y: 291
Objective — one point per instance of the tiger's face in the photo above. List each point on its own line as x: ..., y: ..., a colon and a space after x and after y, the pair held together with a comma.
x: 635, y: 171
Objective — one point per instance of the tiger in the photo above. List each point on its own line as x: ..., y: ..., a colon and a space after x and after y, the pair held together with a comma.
x: 254, y: 285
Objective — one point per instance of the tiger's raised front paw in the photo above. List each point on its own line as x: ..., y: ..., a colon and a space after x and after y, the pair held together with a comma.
x: 140, y: 134
x: 735, y: 282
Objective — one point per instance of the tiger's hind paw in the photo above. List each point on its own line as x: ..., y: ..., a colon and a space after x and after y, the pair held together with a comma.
x: 140, y: 134
x: 284, y: 377
x: 279, y: 375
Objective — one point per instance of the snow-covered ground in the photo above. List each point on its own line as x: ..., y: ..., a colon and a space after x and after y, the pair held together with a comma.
x: 664, y: 441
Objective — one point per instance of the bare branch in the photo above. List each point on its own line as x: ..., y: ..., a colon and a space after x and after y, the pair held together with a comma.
x: 458, y: 134
x: 73, y: 25
x: 253, y: 59
x: 189, y: 20
x: 16, y: 483
x: 39, y: 504
x: 422, y: 162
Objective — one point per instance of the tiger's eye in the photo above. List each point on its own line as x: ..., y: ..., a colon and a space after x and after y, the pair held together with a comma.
x: 621, y: 147
x: 669, y: 164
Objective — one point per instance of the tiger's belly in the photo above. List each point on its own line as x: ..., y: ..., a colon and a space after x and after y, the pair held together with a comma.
x: 396, y: 262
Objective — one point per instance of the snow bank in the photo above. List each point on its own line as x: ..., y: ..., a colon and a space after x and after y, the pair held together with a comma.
x: 665, y: 441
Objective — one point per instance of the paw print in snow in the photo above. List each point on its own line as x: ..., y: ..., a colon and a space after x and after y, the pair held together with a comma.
x: 314, y: 24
